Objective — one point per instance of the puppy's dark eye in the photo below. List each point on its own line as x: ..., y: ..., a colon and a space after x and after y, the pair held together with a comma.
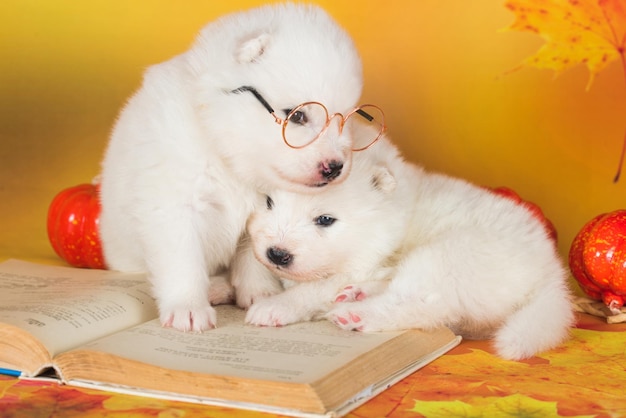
x: 325, y: 220
x: 298, y: 117
x: 269, y: 202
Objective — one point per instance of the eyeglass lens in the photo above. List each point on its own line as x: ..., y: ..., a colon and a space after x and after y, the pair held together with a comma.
x: 365, y: 125
x: 304, y: 124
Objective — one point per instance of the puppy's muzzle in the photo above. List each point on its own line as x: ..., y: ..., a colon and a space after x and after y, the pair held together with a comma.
x: 332, y: 170
x: 279, y: 257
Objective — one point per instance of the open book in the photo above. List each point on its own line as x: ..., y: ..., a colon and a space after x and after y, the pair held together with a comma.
x: 100, y: 329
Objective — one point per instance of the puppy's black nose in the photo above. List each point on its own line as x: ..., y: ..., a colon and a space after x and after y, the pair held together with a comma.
x: 279, y: 256
x: 331, y: 170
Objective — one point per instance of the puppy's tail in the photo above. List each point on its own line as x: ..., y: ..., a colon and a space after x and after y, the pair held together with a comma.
x: 542, y: 324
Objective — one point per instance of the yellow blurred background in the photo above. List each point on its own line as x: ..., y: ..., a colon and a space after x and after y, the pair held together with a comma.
x: 439, y: 68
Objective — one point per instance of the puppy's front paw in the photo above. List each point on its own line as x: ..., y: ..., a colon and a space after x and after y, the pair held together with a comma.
x: 269, y: 312
x: 185, y: 319
x: 351, y: 293
x: 346, y: 319
x: 359, y: 291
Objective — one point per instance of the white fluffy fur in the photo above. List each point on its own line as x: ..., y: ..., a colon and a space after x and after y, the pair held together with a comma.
x: 188, y: 156
x: 408, y: 249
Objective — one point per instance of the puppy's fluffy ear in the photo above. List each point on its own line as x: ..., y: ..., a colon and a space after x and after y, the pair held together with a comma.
x: 383, y: 180
x: 251, y: 48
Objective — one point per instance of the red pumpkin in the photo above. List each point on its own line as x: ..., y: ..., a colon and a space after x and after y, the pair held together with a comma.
x: 532, y: 207
x: 73, y: 218
x: 597, y: 259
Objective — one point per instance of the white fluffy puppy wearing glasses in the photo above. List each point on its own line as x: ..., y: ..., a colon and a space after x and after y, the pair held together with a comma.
x: 210, y: 129
x: 395, y: 247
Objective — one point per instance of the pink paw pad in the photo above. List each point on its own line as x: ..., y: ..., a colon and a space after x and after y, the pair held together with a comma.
x: 360, y: 296
x: 353, y: 318
x: 341, y: 298
x: 350, y: 294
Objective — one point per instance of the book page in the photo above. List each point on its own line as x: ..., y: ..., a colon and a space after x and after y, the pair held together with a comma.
x: 65, y: 307
x: 297, y: 353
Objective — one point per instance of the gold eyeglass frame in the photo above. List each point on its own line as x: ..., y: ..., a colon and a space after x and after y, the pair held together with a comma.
x: 329, y: 118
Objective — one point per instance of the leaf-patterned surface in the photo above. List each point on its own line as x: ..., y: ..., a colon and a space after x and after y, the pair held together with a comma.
x: 585, y: 377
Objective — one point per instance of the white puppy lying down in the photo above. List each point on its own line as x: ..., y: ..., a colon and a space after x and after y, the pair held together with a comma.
x: 197, y: 143
x: 395, y: 247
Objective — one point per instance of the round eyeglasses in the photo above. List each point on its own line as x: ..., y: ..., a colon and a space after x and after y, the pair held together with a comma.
x: 308, y: 121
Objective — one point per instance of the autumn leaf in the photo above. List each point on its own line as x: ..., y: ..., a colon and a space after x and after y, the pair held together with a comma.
x: 515, y: 405
x: 577, y: 32
x: 588, y: 32
x: 449, y: 409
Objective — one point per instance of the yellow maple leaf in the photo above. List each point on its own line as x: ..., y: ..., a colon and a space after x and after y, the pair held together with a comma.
x: 588, y: 32
x: 515, y: 405
x: 446, y: 409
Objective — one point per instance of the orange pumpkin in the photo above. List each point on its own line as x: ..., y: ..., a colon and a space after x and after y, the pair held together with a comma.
x: 73, y: 218
x: 597, y: 259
